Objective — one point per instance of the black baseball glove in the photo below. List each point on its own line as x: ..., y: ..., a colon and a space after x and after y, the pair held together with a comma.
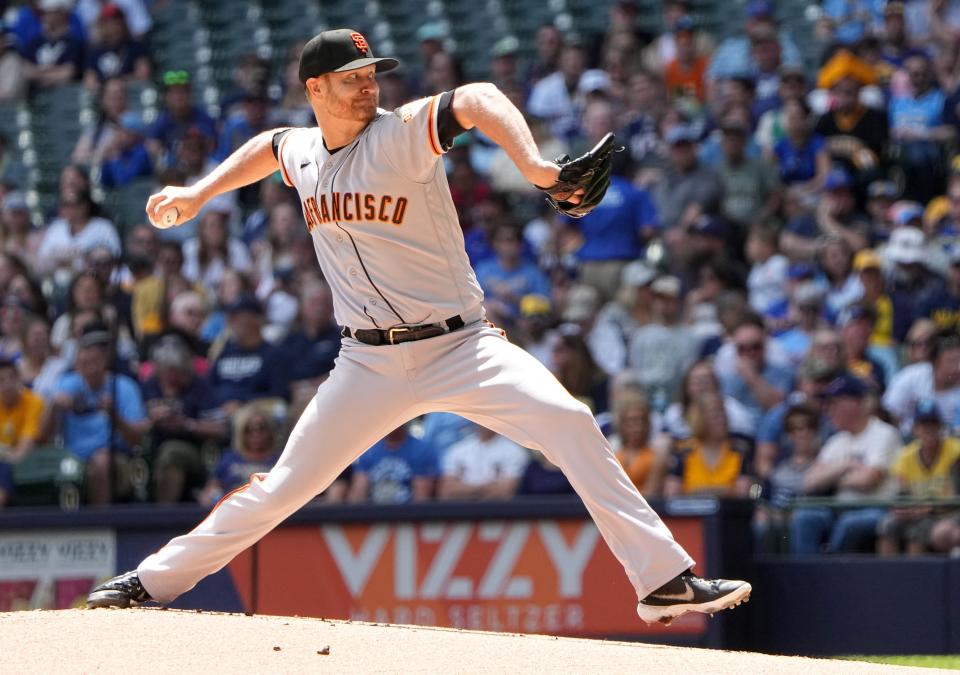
x: 590, y: 172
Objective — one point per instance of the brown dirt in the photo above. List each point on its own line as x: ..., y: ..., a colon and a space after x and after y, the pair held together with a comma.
x: 168, y: 641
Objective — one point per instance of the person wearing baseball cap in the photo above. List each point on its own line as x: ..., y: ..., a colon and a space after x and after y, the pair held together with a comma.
x: 912, y: 262
x: 117, y: 54
x: 379, y: 212
x: 857, y: 323
x: 684, y: 75
x: 881, y: 195
x: 126, y: 158
x: 943, y: 303
x: 853, y: 464
x: 869, y: 268
x: 57, y: 50
x: 864, y: 129
x: 337, y: 51
x: 660, y: 350
x: 178, y: 116
x: 923, y: 470
x: 733, y: 56
x: 631, y: 308
x: 248, y: 367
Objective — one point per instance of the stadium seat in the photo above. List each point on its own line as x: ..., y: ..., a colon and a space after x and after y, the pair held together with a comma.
x: 127, y: 203
x: 48, y: 476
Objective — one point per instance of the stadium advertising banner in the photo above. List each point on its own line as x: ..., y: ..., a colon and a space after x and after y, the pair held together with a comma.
x: 46, y: 569
x: 527, y: 576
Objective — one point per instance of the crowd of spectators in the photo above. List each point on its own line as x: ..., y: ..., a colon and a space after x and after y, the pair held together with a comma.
x: 765, y: 305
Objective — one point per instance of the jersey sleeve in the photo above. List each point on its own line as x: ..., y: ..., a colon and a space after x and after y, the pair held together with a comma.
x: 417, y: 134
x: 286, y: 153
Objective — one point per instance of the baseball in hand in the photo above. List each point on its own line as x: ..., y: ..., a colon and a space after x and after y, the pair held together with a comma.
x: 170, y: 216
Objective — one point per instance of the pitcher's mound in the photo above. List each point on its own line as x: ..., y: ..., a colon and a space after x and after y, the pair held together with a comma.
x: 168, y: 641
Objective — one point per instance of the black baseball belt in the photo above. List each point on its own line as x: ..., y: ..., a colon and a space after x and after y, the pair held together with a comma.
x: 392, y: 336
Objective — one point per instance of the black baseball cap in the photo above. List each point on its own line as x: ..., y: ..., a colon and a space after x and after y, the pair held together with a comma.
x: 245, y: 303
x: 334, y: 51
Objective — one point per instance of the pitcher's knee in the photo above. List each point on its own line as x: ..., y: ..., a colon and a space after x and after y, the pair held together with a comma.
x: 574, y: 417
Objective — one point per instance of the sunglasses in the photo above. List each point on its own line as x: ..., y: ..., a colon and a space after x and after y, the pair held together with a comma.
x: 747, y: 347
x: 800, y: 426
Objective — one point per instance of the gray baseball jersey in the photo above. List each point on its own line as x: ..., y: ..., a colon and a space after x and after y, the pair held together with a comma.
x: 387, y: 237
x: 384, y: 227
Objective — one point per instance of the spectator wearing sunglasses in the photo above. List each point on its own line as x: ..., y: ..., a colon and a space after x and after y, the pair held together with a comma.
x: 756, y: 383
x: 802, y: 425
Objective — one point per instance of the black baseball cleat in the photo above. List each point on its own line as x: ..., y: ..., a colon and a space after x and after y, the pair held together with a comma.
x: 689, y: 593
x: 121, y: 591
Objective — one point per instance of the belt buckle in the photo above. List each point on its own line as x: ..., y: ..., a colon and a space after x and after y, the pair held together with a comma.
x: 391, y: 331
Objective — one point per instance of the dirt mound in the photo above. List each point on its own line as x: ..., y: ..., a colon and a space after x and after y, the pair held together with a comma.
x: 168, y: 641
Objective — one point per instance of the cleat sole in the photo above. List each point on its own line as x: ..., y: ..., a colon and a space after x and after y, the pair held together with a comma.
x: 664, y: 615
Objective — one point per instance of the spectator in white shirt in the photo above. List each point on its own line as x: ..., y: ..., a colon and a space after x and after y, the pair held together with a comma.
x: 854, y: 464
x: 213, y: 250
x: 767, y: 282
x: 556, y: 98
x: 938, y: 379
x: 484, y: 465
x: 621, y: 317
x: 75, y: 233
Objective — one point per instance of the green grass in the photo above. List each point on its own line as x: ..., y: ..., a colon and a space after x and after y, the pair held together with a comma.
x: 952, y: 662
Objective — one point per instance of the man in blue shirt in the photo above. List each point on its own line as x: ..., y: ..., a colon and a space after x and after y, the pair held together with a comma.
x: 917, y: 126
x: 849, y: 20
x: 126, y: 157
x: 179, y: 115
x: 243, y: 125
x: 773, y: 440
x: 248, y: 368
x: 733, y: 56
x: 615, y: 233
x: 756, y: 383
x: 506, y: 278
x: 102, y: 416
x: 397, y: 470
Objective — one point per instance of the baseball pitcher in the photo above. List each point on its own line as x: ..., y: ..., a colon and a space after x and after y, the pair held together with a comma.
x: 376, y: 202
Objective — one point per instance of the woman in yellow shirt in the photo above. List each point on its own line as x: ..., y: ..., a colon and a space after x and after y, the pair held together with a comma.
x: 711, y: 462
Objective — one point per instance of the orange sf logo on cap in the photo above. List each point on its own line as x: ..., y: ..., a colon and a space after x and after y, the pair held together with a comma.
x: 361, y: 43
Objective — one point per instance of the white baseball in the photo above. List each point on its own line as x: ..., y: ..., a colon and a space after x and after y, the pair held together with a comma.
x: 170, y: 216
